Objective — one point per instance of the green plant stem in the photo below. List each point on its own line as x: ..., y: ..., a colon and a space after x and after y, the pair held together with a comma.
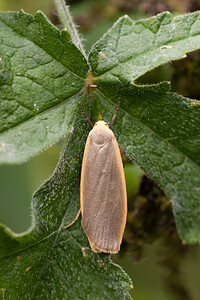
x: 67, y: 22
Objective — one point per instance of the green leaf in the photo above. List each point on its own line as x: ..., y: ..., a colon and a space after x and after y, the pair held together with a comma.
x: 43, y: 77
x: 50, y: 262
x: 38, y: 84
x: 130, y: 49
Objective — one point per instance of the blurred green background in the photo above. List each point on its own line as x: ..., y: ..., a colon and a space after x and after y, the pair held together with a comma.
x: 150, y: 271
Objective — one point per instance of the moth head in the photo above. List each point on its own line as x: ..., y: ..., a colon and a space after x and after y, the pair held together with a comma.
x: 100, y: 123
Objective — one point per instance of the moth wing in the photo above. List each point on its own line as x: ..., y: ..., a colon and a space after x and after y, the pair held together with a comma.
x: 103, y: 196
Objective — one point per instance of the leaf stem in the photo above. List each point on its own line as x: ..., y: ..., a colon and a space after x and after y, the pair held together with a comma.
x: 68, y: 23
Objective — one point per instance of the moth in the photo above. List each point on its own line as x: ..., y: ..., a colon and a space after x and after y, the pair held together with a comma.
x: 103, y: 197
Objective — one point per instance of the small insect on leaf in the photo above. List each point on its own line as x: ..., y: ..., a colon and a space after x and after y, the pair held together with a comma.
x: 103, y: 197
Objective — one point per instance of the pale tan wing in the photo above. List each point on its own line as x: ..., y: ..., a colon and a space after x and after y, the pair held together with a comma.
x: 103, y: 196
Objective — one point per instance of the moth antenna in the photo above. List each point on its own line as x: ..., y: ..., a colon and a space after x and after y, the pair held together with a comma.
x: 115, y: 114
x: 86, y: 118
